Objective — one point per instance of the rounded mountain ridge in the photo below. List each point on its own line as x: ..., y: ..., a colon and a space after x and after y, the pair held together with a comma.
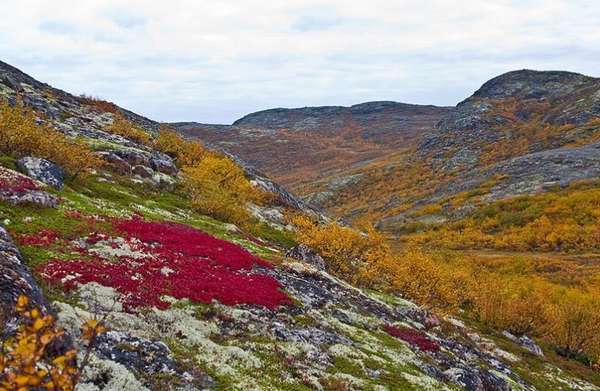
x: 527, y: 83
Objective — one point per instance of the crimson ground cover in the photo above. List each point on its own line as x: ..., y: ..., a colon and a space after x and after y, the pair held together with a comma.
x: 13, y: 182
x: 169, y: 259
x: 413, y: 337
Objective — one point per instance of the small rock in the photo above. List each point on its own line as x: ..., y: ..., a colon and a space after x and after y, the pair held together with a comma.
x: 164, y: 165
x: 306, y: 254
x: 525, y: 342
x: 116, y: 163
x: 42, y: 170
x: 142, y: 171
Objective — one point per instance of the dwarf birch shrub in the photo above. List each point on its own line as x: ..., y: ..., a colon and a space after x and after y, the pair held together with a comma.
x: 21, y: 135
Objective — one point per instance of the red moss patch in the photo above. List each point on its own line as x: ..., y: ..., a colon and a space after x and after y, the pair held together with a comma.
x: 413, y: 337
x: 15, y: 183
x: 43, y: 238
x: 177, y: 261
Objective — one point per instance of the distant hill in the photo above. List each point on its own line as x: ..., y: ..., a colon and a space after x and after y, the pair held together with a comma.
x: 299, y: 146
x: 386, y: 158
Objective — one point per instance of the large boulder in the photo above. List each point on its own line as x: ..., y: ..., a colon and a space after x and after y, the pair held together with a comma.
x: 42, y: 170
x: 306, y: 254
x: 134, y: 158
x: 15, y: 280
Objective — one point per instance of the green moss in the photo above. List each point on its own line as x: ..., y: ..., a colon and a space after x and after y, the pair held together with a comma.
x: 8, y: 162
x: 345, y: 365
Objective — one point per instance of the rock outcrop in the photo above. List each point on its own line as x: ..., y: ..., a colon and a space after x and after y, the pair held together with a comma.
x: 42, y: 170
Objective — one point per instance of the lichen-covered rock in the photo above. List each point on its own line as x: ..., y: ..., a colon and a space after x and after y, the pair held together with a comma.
x: 15, y: 280
x: 34, y: 197
x: 525, y: 342
x: 163, y: 163
x: 133, y: 157
x: 306, y: 254
x: 116, y: 163
x: 142, y: 171
x: 42, y: 170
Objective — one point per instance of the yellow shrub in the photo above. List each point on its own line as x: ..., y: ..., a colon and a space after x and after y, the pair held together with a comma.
x: 350, y: 254
x: 219, y: 188
x: 20, y: 135
x: 366, y: 259
x: 573, y: 323
x: 122, y: 127
x: 185, y: 152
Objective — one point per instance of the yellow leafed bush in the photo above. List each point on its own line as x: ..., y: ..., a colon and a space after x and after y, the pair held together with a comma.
x: 366, y: 259
x: 219, y: 188
x: 25, y: 360
x: 20, y: 135
x: 185, y: 152
x: 122, y: 127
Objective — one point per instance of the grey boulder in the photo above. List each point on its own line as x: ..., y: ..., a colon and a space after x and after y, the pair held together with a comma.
x: 42, y: 170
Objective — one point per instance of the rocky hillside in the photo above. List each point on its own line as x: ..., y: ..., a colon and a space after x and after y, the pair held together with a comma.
x: 191, y: 302
x: 533, y: 130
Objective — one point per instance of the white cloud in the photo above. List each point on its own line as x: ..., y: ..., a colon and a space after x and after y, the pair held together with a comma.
x: 216, y: 61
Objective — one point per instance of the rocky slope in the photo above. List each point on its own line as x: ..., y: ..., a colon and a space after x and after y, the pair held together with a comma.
x: 192, y: 303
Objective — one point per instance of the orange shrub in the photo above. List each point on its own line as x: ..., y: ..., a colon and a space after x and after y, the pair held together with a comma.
x: 20, y: 135
x: 122, y: 127
x: 185, y: 152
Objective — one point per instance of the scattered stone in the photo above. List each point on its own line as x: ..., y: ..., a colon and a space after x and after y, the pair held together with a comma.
x: 142, y: 171
x: 306, y: 254
x: 525, y: 342
x: 42, y: 170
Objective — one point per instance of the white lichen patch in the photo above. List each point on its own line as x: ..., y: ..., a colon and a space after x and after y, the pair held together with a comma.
x: 113, y: 376
x: 425, y: 382
x: 117, y: 247
x: 558, y: 376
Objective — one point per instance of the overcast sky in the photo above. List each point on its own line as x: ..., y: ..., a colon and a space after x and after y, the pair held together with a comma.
x: 215, y: 61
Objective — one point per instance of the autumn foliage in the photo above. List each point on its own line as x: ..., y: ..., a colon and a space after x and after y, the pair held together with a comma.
x: 185, y: 152
x: 123, y: 127
x: 499, y: 296
x: 366, y: 259
x: 563, y: 220
x: 26, y: 360
x: 21, y: 135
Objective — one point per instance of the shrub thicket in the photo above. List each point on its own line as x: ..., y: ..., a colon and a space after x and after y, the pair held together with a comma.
x: 568, y: 318
x: 21, y: 135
